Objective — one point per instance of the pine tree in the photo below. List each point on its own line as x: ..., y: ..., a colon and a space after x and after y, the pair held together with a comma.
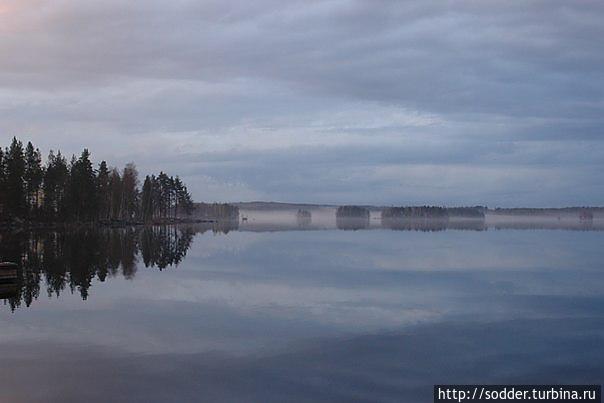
x: 115, y: 194
x: 56, y: 181
x: 16, y: 205
x: 130, y: 192
x: 83, y: 188
x: 163, y: 194
x: 2, y: 181
x: 33, y: 177
x: 147, y: 200
x: 102, y: 191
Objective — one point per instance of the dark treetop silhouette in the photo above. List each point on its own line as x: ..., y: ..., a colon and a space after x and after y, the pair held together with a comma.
x: 59, y: 191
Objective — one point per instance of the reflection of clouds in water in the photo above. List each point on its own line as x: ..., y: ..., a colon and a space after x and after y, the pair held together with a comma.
x: 385, y: 367
x: 469, y: 250
x: 207, y: 315
x: 352, y: 308
x: 250, y: 292
x: 210, y: 244
x: 245, y: 291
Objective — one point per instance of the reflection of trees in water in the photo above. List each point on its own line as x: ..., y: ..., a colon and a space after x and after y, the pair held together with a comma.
x: 432, y: 224
x: 73, y: 259
x: 164, y: 246
x: 550, y: 225
x: 352, y: 212
x: 415, y: 212
x: 352, y: 218
x: 415, y: 224
x: 303, y: 218
x: 352, y: 223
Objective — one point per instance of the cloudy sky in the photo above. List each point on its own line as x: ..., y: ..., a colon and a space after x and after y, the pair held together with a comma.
x: 332, y: 101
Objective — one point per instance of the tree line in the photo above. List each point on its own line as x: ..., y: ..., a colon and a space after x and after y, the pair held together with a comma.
x: 76, y: 191
x: 352, y: 211
x: 217, y: 210
x: 432, y: 212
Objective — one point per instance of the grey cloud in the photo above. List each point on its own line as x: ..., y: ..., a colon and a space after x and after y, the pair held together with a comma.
x: 536, y: 59
x: 504, y: 86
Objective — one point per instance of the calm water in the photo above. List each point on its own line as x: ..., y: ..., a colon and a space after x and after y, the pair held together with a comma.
x: 191, y: 314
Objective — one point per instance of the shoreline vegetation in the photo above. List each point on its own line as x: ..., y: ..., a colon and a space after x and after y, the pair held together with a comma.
x: 62, y: 194
x: 474, y: 212
x: 452, y: 210
x: 59, y: 193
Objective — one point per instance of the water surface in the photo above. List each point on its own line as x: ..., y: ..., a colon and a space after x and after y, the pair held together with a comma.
x: 253, y: 315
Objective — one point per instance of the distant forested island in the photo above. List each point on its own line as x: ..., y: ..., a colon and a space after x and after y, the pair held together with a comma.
x: 425, y: 211
x: 77, y: 191
x: 352, y: 212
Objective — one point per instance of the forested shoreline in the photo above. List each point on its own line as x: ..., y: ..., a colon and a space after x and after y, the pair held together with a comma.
x: 58, y: 191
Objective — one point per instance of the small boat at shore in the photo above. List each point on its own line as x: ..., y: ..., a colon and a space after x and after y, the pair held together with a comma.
x: 8, y: 271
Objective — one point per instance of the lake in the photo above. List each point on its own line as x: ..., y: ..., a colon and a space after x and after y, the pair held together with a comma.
x: 254, y: 313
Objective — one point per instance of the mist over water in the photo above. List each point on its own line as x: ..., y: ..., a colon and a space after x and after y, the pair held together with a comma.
x: 159, y: 161
x: 253, y: 312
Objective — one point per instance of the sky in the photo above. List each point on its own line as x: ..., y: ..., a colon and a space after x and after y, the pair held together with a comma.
x: 383, y: 102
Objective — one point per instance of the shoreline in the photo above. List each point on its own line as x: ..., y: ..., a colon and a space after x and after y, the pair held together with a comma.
x: 37, y: 225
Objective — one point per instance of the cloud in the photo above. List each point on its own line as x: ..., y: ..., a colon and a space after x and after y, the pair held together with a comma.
x: 150, y: 81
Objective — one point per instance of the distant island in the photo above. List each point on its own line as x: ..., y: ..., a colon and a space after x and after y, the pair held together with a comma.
x: 427, y: 211
x: 78, y: 192
x: 272, y: 216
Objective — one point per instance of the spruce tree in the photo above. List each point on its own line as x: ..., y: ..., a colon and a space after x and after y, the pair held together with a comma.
x: 2, y: 182
x: 33, y: 177
x: 102, y: 192
x: 16, y: 205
